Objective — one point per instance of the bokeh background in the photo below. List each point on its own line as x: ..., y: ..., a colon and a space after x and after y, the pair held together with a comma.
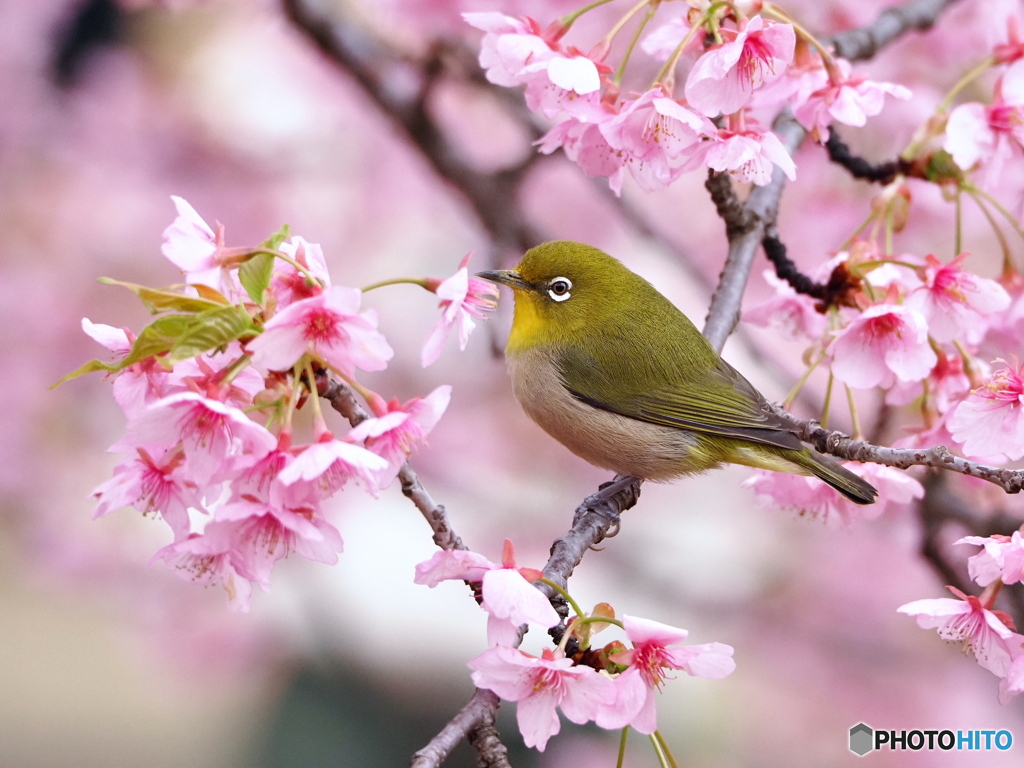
x: 108, y: 108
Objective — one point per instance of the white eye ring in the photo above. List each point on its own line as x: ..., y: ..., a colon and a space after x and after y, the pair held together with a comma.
x: 559, y: 287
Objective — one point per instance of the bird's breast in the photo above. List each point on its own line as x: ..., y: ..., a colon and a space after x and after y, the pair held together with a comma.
x: 603, y: 438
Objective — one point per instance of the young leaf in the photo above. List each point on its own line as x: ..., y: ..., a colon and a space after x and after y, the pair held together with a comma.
x: 210, y: 330
x: 158, y: 301
x: 255, y: 274
x: 91, y: 367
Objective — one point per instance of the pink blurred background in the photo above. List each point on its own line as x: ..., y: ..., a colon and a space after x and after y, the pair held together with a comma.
x: 106, y: 662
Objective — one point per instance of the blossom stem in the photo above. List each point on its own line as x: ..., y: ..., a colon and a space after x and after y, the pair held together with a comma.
x: 229, y: 373
x: 795, y: 391
x: 854, y: 416
x: 421, y: 282
x: 568, y: 20
x: 958, y: 231
x: 1007, y: 258
x: 972, y: 75
x: 1001, y: 208
x: 625, y: 19
x: 568, y: 598
x: 853, y: 236
x: 620, y: 763
x: 662, y: 757
x: 318, y: 414
x: 621, y: 69
x: 835, y: 76
x: 668, y: 752
x: 289, y: 260
x: 673, y: 59
x: 828, y: 401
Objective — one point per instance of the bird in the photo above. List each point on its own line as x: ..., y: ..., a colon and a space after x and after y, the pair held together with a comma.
x: 610, y: 368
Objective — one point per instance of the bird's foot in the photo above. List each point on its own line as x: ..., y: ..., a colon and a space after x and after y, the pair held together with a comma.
x: 612, y: 498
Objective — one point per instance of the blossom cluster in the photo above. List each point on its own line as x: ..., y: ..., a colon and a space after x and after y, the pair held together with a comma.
x: 210, y: 388
x: 749, y: 68
x: 970, y: 621
x: 614, y: 686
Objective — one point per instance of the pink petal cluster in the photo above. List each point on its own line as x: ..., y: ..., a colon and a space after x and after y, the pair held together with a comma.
x: 792, y: 314
x: 955, y: 303
x: 990, y: 136
x: 509, y: 597
x: 988, y: 634
x: 192, y: 247
x: 847, y: 99
x: 657, y: 651
x: 541, y: 686
x: 886, y: 343
x: 328, y: 326
x: 462, y: 298
x: 1001, y: 559
x: 723, y: 80
x: 989, y: 423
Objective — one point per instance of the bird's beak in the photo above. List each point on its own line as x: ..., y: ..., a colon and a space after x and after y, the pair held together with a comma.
x: 508, y: 277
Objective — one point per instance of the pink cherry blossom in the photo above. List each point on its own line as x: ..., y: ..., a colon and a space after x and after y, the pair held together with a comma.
x: 192, y: 247
x: 206, y: 559
x: 987, y: 633
x: 990, y: 422
x: 207, y: 374
x: 509, y: 596
x: 850, y: 100
x: 657, y: 648
x: 215, y: 436
x: 946, y: 385
x: 955, y: 302
x: 653, y: 133
x: 1012, y: 683
x: 792, y: 313
x: 462, y: 298
x: 289, y: 284
x: 1001, y: 559
x: 324, y: 467
x: 328, y: 325
x: 508, y: 45
x: 885, y: 343
x: 807, y: 495
x: 540, y: 686
x: 663, y: 41
x: 993, y: 135
x: 151, y: 486
x: 750, y: 155
x: 393, y: 435
x: 138, y: 385
x: 723, y: 79
x: 560, y: 84
x: 586, y: 145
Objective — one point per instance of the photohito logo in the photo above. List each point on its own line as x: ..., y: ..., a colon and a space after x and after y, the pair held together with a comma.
x: 864, y: 739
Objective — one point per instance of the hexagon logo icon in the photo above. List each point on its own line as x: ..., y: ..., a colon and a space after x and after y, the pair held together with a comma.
x: 861, y: 739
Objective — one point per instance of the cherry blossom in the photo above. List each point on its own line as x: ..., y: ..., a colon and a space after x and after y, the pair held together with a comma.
x: 749, y: 155
x: 192, y: 247
x: 508, y: 45
x: 326, y: 466
x: 885, y: 343
x: 585, y: 144
x: 215, y: 436
x: 656, y: 648
x: 991, y: 135
x: 289, y: 284
x: 954, y: 302
x: 987, y: 633
x: 792, y: 313
x: 509, y: 596
x: 723, y: 79
x: 560, y: 84
x: 151, y: 485
x: 400, y: 428
x: 847, y: 99
x: 989, y: 423
x: 139, y: 385
x: 462, y: 298
x: 540, y: 686
x: 206, y: 559
x: 1001, y: 559
x: 654, y: 133
x: 328, y: 325
x: 663, y: 41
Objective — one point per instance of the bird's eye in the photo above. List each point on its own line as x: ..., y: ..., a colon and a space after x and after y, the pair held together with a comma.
x: 558, y: 289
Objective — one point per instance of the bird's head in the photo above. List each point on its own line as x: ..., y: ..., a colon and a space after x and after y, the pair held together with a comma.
x: 564, y: 292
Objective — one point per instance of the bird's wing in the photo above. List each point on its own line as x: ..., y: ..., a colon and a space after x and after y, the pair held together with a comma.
x: 718, y: 402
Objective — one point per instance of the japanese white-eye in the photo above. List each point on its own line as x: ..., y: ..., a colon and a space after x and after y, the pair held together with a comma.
x: 615, y: 372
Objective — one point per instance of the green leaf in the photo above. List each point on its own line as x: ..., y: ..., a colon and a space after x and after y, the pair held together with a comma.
x: 91, y: 367
x: 157, y: 300
x: 210, y: 330
x: 274, y: 241
x: 255, y: 275
x: 158, y: 337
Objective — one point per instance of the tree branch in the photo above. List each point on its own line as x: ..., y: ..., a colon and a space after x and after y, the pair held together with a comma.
x: 893, y: 23
x: 474, y: 721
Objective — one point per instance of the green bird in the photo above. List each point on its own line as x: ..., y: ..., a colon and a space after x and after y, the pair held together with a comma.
x: 616, y: 373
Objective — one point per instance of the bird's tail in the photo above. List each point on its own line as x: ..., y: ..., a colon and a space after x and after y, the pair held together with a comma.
x: 854, y: 487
